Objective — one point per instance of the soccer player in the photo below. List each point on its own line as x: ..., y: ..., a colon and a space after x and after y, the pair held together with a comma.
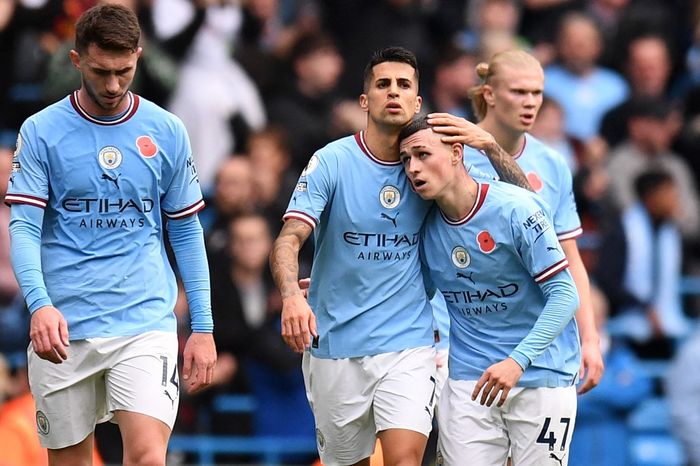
x: 491, y: 250
x: 507, y: 103
x: 370, y: 364
x: 92, y: 176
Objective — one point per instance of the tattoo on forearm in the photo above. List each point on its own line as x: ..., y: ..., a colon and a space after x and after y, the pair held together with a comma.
x: 506, y: 167
x: 284, y: 259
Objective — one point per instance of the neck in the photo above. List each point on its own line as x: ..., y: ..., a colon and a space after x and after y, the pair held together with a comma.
x: 383, y: 141
x: 511, y: 141
x: 459, y: 197
x: 244, y: 277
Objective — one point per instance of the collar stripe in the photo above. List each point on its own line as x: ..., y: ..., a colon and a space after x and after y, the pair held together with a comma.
x: 481, y: 190
x: 134, y: 101
x: 360, y: 139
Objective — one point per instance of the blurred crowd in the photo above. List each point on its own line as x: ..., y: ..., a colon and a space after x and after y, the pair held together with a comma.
x: 261, y: 84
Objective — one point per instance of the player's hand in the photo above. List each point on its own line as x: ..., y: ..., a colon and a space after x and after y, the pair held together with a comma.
x: 500, y: 377
x: 298, y: 323
x: 458, y: 130
x: 592, y: 366
x: 304, y: 285
x: 48, y: 332
x: 199, y: 362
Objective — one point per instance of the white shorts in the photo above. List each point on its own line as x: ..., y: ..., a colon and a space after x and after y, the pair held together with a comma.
x: 101, y: 375
x: 535, y: 423
x: 352, y: 399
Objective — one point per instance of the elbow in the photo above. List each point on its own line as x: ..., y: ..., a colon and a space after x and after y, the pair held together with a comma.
x: 572, y: 300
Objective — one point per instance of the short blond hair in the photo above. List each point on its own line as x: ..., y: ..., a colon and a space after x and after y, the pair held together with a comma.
x: 517, y: 58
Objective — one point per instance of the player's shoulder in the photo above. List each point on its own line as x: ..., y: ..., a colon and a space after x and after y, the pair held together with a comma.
x: 156, y: 113
x: 338, y: 150
x: 544, y: 153
x: 54, y: 112
x: 514, y: 198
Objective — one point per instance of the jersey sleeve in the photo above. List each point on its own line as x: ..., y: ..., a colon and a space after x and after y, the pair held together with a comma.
x: 314, y: 190
x: 567, y: 223
x: 183, y: 196
x: 29, y: 180
x: 535, y: 240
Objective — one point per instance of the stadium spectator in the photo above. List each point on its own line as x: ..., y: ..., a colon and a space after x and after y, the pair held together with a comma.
x: 652, y: 125
x: 454, y: 76
x: 645, y: 291
x: 584, y: 89
x: 246, y: 307
x: 601, y: 417
x: 217, y: 119
x: 518, y: 348
x: 648, y: 69
x: 306, y: 106
x: 507, y: 103
x: 549, y: 128
x: 273, y: 179
x: 233, y: 196
x: 94, y: 273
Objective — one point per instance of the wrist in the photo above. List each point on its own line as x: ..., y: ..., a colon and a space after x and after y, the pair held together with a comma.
x: 286, y: 295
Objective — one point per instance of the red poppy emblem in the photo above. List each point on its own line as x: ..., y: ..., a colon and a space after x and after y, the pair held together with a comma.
x: 146, y: 146
x: 486, y: 242
x: 535, y: 181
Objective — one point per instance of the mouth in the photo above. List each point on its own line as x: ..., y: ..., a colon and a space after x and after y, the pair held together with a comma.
x: 393, y: 107
x: 418, y: 184
x: 111, y: 99
x: 527, y: 118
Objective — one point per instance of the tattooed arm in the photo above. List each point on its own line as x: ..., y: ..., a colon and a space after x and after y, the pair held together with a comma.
x: 459, y: 130
x: 506, y: 167
x: 298, y: 321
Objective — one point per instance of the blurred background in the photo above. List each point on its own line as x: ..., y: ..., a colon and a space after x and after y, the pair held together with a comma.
x: 262, y: 84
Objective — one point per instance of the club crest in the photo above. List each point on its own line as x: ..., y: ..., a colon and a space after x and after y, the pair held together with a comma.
x: 42, y: 423
x: 109, y: 157
x: 460, y: 257
x: 389, y: 197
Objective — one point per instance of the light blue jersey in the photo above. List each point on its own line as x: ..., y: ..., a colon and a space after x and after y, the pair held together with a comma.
x: 104, y: 186
x: 549, y: 176
x: 490, y: 266
x: 367, y: 290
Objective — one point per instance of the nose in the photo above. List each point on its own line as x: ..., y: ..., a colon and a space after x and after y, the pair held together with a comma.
x: 530, y: 99
x: 394, y: 89
x: 112, y: 84
x: 412, y: 166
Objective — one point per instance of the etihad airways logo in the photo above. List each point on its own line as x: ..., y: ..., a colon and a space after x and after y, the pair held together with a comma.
x: 106, y: 205
x: 380, y: 240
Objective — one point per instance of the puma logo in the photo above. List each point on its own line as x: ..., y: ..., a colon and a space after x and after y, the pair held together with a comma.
x: 552, y: 248
x: 559, y: 460
x: 172, y: 400
x: 114, y: 180
x: 392, y: 219
x: 468, y: 277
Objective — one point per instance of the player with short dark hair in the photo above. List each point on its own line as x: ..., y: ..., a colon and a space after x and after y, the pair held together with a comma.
x: 492, y: 252
x: 507, y: 103
x: 93, y: 176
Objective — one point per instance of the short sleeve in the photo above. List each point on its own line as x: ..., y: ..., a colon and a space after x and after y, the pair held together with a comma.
x: 29, y: 180
x: 535, y: 240
x: 183, y: 196
x: 314, y: 190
